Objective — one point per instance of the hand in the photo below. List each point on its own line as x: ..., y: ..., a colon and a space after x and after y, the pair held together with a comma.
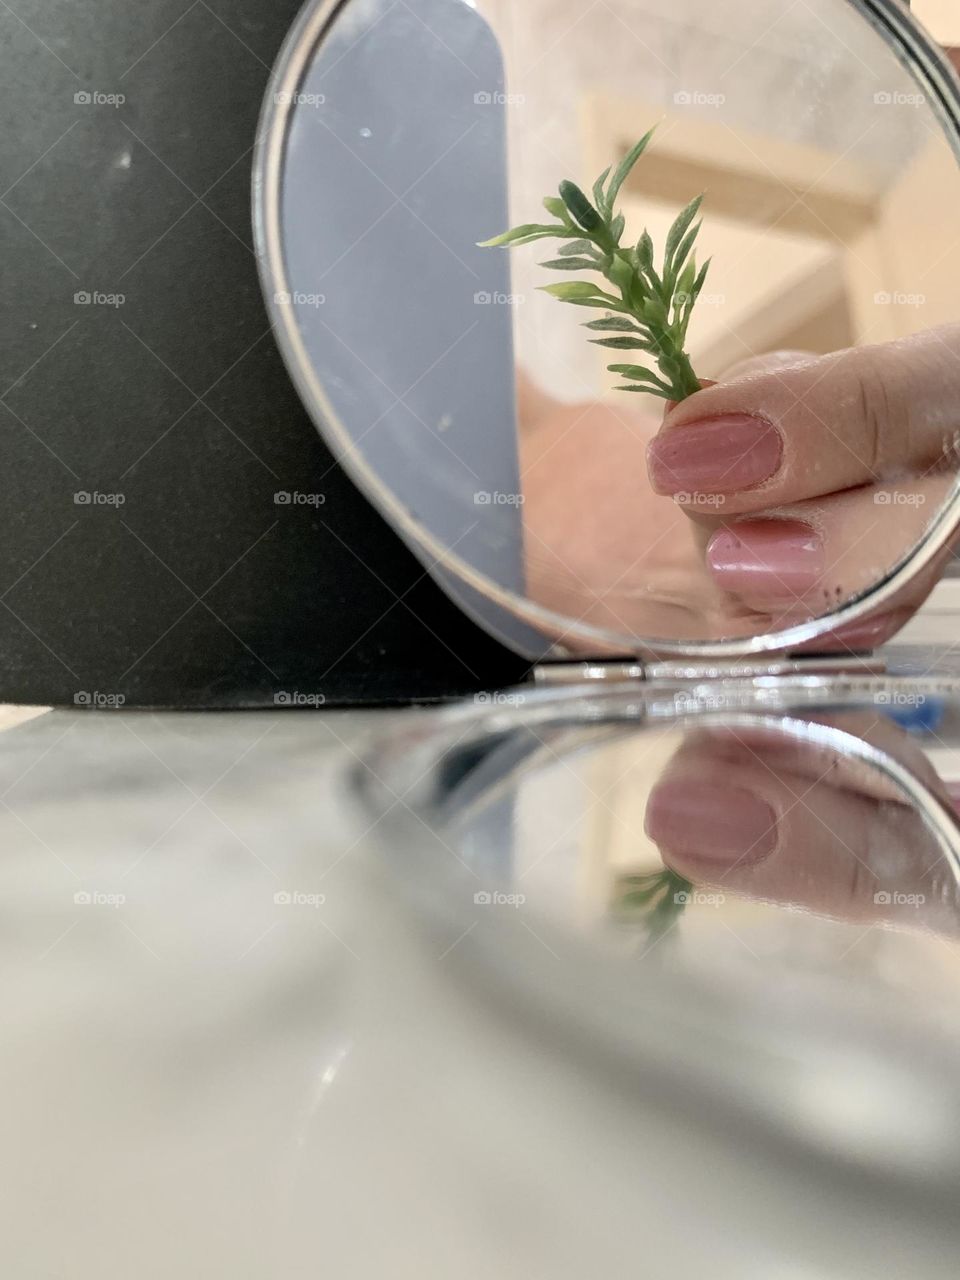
x: 819, y: 475
x: 760, y: 814
x: 825, y: 470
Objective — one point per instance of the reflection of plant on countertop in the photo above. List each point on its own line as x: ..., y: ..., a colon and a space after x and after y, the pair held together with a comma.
x: 650, y: 308
x: 656, y: 900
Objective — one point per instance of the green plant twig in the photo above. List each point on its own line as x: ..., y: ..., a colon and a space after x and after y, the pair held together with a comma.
x: 648, y: 308
x: 657, y: 900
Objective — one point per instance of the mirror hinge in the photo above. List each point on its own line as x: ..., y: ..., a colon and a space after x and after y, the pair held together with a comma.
x: 624, y: 670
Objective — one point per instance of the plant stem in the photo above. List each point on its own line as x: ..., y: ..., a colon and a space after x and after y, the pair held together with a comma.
x: 688, y: 381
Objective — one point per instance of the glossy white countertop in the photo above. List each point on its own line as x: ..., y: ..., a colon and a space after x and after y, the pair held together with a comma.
x: 231, y: 1049
x: 166, y: 1043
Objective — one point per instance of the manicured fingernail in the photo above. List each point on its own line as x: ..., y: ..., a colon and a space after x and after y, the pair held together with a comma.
x: 767, y: 560
x: 711, y: 824
x: 720, y: 455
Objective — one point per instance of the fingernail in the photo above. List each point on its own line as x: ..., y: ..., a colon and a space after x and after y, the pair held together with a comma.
x: 767, y: 560
x: 721, y: 455
x: 709, y: 823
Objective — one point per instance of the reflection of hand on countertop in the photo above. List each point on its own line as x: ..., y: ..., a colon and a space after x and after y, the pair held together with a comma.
x: 776, y: 818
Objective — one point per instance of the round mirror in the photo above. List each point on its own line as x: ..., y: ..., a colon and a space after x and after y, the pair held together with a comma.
x: 645, y: 421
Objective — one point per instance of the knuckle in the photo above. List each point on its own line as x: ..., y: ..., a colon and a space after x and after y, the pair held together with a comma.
x: 881, y: 409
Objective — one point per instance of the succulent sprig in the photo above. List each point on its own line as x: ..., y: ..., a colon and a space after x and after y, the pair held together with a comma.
x: 648, y: 307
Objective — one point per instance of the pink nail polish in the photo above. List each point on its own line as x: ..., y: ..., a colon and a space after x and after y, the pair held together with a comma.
x: 719, y: 455
x: 767, y: 560
x: 713, y: 825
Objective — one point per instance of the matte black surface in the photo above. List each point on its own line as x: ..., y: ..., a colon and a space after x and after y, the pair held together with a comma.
x: 198, y: 588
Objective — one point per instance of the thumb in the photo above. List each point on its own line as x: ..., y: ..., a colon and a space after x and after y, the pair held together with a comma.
x: 867, y: 415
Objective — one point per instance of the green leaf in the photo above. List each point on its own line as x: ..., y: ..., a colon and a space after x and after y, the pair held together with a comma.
x: 638, y: 374
x: 624, y: 168
x: 554, y: 205
x: 605, y: 301
x: 615, y: 323
x: 576, y: 289
x: 685, y: 284
x: 576, y: 246
x: 654, y: 312
x: 624, y: 344
x: 679, y: 228
x: 645, y: 250
x: 698, y: 283
x: 620, y: 272
x: 692, y: 296
x: 686, y: 245
x: 631, y: 370
x: 524, y: 234
x: 581, y: 210
x: 665, y: 393
x: 571, y: 264
x: 598, y: 196
x: 616, y: 227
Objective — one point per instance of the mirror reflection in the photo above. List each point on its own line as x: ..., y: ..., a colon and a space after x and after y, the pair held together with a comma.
x: 777, y: 833
x: 791, y: 432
